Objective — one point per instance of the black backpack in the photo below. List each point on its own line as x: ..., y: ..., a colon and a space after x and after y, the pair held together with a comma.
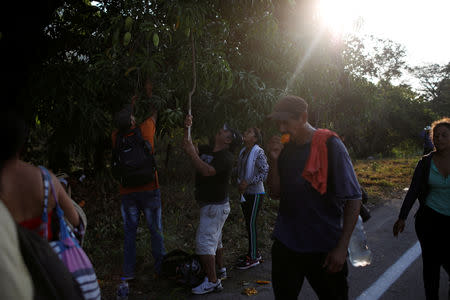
x: 133, y: 161
x: 185, y: 268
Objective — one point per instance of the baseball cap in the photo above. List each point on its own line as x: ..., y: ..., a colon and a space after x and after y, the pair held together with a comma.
x: 288, y: 107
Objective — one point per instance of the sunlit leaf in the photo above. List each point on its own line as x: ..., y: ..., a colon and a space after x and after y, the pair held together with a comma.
x: 155, y: 39
x: 126, y: 38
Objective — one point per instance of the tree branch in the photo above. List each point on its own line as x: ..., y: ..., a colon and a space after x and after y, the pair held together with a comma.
x: 194, y: 83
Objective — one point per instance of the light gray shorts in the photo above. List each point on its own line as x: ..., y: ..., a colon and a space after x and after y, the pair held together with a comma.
x: 209, y: 232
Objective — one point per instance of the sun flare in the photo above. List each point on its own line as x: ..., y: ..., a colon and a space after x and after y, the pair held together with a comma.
x: 340, y: 17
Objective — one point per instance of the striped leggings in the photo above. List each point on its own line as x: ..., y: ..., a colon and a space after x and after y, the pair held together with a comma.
x: 250, y: 208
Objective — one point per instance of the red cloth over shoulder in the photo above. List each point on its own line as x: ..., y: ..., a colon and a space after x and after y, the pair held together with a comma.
x: 316, y: 169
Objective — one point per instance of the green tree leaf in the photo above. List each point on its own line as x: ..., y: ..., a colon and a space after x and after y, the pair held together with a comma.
x: 155, y: 39
x: 126, y: 38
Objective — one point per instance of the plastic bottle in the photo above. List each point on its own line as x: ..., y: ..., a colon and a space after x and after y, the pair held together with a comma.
x: 122, y: 291
x: 359, y: 252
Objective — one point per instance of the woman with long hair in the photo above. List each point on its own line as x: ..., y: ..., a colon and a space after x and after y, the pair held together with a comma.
x: 431, y: 185
x: 252, y: 172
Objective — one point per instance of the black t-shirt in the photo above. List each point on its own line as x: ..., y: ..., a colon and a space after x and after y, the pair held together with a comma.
x: 214, y: 189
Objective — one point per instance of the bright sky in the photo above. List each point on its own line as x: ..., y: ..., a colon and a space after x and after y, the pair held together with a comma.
x: 423, y: 27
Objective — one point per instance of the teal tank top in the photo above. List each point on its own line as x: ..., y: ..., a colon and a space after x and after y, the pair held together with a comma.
x: 439, y: 195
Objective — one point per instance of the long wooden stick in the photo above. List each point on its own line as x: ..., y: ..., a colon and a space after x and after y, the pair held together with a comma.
x: 194, y: 84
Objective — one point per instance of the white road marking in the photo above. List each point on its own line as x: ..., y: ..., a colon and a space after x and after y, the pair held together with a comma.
x: 377, y: 289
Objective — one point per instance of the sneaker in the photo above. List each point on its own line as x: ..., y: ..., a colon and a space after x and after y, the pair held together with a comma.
x: 222, y: 273
x: 207, y: 287
x: 127, y: 278
x: 247, y: 264
x: 244, y: 257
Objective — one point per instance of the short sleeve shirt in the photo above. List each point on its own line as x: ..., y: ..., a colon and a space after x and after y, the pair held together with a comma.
x: 148, y: 130
x: 308, y: 221
x: 214, y: 189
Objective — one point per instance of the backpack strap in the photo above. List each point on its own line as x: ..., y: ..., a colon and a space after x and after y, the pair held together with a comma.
x: 136, y: 130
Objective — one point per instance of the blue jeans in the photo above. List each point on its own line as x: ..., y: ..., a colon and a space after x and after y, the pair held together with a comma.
x: 148, y: 202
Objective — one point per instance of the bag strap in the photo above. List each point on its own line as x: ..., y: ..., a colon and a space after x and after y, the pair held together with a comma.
x: 138, y: 132
x: 48, y: 183
x: 43, y: 227
x: 119, y: 136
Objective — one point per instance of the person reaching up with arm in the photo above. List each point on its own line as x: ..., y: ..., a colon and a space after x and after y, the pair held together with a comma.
x: 213, y: 166
x: 135, y: 169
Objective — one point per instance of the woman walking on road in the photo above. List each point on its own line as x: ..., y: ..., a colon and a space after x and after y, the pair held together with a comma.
x: 252, y: 172
x: 431, y: 185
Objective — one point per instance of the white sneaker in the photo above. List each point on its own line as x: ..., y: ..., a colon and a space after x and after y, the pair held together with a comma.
x: 207, y: 287
x: 222, y: 273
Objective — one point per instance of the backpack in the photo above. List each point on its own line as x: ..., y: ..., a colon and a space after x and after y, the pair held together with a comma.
x: 133, y: 161
x: 51, y: 278
x: 185, y: 268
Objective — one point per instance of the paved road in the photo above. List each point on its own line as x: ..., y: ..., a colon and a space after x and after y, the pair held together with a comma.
x: 386, y: 249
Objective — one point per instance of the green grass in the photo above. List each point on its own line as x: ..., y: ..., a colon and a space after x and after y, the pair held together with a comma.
x: 383, y: 179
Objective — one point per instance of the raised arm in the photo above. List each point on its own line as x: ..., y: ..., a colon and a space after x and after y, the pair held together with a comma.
x: 199, y: 165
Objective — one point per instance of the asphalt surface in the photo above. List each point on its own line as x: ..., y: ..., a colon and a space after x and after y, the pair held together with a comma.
x: 386, y: 252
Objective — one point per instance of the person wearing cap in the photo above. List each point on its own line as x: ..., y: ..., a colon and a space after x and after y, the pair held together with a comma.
x: 144, y: 199
x: 213, y: 167
x: 312, y: 175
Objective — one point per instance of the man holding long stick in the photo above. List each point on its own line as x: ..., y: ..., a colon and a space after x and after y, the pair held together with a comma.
x: 213, y: 170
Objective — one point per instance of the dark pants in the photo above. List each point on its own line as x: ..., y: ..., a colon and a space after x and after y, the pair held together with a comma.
x: 289, y: 269
x: 432, y: 229
x: 148, y: 203
x: 250, y: 209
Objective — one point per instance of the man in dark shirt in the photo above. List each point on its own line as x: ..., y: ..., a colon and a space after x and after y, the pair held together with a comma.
x: 313, y: 226
x: 213, y: 167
